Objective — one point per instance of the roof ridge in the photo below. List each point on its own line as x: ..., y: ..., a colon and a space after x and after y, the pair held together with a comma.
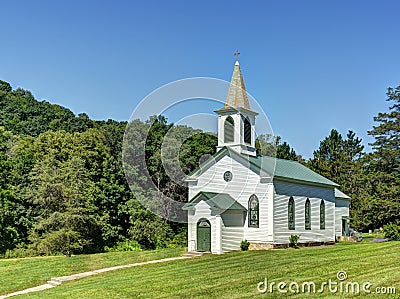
x: 282, y: 172
x: 280, y: 159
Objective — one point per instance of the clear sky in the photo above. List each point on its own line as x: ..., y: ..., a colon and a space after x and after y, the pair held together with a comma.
x: 312, y: 65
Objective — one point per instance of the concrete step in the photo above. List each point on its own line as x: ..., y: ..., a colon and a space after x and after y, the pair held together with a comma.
x: 54, y: 282
x: 193, y: 254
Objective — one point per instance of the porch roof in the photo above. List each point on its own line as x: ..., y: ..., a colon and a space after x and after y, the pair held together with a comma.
x: 340, y: 195
x: 220, y: 201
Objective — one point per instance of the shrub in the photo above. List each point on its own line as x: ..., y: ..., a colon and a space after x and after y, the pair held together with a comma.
x: 179, y: 240
x: 293, y: 239
x: 244, y: 245
x: 19, y: 252
x: 150, y: 231
x: 392, y: 231
x: 127, y: 245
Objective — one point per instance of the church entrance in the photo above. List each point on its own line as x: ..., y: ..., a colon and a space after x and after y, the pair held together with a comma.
x: 203, y: 235
x: 344, y: 227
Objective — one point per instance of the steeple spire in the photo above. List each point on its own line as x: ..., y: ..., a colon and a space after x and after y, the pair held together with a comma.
x: 237, y: 96
x: 236, y: 121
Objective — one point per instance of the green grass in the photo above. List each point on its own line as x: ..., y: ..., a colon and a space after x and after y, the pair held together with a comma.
x: 369, y: 237
x: 236, y: 275
x: 21, y: 273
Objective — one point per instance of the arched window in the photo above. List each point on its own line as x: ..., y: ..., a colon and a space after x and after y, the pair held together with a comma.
x: 247, y: 130
x: 307, y: 214
x: 229, y: 129
x: 322, y: 215
x: 291, y: 216
x: 253, y: 211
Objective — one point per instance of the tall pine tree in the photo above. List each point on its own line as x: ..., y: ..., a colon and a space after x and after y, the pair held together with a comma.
x: 337, y: 159
x: 383, y: 167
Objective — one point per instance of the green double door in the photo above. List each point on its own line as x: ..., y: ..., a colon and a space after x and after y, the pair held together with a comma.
x: 203, y: 235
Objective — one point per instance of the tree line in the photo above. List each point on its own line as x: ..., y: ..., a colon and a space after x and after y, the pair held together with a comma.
x: 63, y: 186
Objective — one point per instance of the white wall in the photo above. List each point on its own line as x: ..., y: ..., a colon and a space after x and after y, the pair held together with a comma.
x: 341, y: 209
x: 244, y: 183
x: 231, y: 238
x: 202, y: 210
x: 300, y: 193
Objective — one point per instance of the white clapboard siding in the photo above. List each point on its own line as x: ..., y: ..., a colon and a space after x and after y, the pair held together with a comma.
x: 202, y: 211
x: 300, y: 193
x: 244, y: 183
x: 263, y: 233
x: 341, y: 209
x: 231, y: 238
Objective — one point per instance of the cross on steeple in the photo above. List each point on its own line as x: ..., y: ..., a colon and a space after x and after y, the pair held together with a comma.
x: 237, y: 55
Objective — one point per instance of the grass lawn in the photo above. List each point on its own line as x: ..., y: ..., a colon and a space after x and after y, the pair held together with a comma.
x: 21, y: 273
x: 367, y: 237
x: 236, y: 275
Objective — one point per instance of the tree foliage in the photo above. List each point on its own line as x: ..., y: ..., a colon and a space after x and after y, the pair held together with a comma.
x: 337, y: 158
x: 64, y: 195
x: 269, y: 145
x: 63, y: 186
x: 20, y: 113
x: 382, y: 167
x: 10, y: 208
x: 373, y: 179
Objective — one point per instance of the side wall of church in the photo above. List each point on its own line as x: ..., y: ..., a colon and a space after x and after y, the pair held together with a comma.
x: 300, y: 192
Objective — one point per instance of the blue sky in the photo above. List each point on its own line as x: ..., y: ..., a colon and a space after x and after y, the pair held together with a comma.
x: 312, y: 65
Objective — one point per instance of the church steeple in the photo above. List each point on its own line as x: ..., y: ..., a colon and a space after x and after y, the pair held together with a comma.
x: 237, y: 95
x: 236, y: 120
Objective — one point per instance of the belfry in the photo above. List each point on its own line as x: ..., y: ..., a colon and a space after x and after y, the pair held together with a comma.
x: 236, y: 120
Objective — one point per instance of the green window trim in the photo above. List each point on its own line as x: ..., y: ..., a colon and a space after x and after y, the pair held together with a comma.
x: 247, y: 130
x: 322, y: 214
x: 229, y: 130
x: 254, y: 211
x: 307, y: 215
x: 291, y: 214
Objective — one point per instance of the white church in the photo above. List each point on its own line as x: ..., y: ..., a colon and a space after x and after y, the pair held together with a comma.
x: 238, y: 195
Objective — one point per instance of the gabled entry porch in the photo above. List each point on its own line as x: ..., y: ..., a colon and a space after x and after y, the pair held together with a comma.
x: 215, y: 223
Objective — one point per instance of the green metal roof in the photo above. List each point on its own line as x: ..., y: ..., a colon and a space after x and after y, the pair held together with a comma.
x: 221, y: 201
x: 340, y: 194
x: 280, y: 168
x: 289, y: 169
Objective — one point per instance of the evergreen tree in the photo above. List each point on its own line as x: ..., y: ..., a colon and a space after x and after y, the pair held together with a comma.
x: 338, y: 159
x: 9, y: 206
x: 284, y: 151
x: 383, y: 166
x: 64, y: 195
